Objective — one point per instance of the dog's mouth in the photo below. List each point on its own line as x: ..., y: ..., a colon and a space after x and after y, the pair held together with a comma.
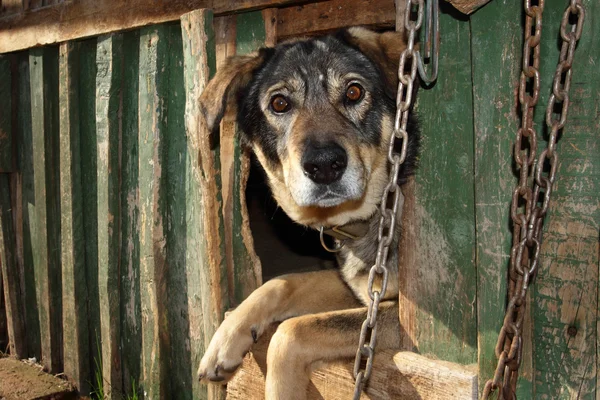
x: 330, y: 199
x: 327, y: 196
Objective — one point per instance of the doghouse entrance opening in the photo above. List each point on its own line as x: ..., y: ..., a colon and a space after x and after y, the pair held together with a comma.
x: 282, y: 245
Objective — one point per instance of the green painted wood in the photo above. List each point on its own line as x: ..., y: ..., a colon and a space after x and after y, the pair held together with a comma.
x: 441, y: 289
x: 74, y: 284
x: 153, y: 84
x: 247, y: 275
x: 131, y: 312
x: 496, y: 43
x: 109, y: 61
x: 25, y: 205
x: 45, y: 230
x: 6, y: 141
x: 9, y: 273
x: 565, y: 308
x: 89, y: 184
x: 183, y: 381
x: 206, y: 285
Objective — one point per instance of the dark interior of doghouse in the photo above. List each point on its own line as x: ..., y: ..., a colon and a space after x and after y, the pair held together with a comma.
x: 282, y: 245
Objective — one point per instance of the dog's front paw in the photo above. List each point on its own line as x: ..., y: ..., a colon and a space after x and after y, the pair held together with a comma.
x: 225, y: 353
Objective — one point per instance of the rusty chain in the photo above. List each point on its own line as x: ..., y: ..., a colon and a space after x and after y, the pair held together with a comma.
x: 530, y: 202
x: 407, y: 72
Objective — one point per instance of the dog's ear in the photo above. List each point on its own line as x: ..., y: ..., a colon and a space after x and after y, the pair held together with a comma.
x: 231, y: 78
x: 383, y: 49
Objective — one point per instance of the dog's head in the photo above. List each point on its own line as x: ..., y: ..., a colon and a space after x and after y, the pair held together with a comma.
x: 318, y: 113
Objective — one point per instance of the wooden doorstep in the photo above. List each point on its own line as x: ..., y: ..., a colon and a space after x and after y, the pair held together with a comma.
x: 396, y: 375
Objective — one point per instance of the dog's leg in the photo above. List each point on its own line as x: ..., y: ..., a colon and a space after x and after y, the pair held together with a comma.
x: 279, y: 299
x: 301, y: 342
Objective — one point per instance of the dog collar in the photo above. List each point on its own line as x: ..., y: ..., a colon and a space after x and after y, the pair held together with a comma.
x: 351, y: 231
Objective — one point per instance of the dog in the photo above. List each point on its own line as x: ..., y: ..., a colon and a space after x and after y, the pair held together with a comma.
x: 318, y: 113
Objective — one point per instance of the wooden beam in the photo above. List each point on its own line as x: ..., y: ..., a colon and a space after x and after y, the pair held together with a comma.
x: 398, y: 376
x: 109, y: 60
x: 74, y: 284
x: 316, y: 18
x: 206, y: 265
x: 45, y: 229
x: 153, y: 84
x: 10, y: 274
x: 6, y: 115
x: 78, y: 19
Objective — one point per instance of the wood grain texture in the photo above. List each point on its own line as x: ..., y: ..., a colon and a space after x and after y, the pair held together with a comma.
x: 130, y: 307
x: 565, y: 294
x: 326, y: 16
x: 153, y: 84
x: 397, y: 376
x: 497, y: 33
x: 79, y: 19
x: 438, y: 289
x: 109, y: 59
x: 74, y: 286
x: 207, y: 272
x: 6, y: 108
x: 45, y: 210
x: 468, y: 6
x: 13, y: 298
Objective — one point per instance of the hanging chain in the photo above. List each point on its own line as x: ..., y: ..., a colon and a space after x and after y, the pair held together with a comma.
x: 528, y: 220
x: 407, y: 72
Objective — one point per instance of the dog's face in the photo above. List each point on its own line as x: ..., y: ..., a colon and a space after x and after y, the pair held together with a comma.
x: 318, y: 114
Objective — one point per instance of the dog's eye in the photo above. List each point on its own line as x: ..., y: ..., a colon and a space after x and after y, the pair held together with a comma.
x: 354, y: 93
x: 279, y: 104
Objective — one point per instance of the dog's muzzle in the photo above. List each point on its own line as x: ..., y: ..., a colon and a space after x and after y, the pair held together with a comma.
x: 324, y: 163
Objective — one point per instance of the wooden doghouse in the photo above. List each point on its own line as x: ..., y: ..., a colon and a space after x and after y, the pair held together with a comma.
x: 125, y: 236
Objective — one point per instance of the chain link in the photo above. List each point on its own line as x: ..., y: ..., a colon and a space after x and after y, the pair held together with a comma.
x: 407, y: 72
x: 530, y: 201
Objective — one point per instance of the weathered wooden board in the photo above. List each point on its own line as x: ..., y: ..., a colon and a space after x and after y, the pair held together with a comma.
x: 565, y: 294
x: 438, y: 288
x: 74, y: 286
x: 497, y: 34
x: 396, y: 376
x: 89, y: 184
x: 79, y: 19
x: 45, y: 229
x: 325, y: 16
x: 131, y: 312
x: 153, y: 84
x: 207, y: 285
x: 6, y: 141
x: 10, y: 274
x: 24, y: 213
x: 109, y: 61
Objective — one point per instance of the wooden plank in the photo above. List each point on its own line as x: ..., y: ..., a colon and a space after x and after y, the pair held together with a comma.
x: 207, y: 286
x: 183, y: 368
x: 438, y: 289
x: 131, y: 311
x: 25, y: 206
x: 326, y: 16
x: 6, y: 141
x: 78, y: 19
x: 89, y: 182
x: 3, y: 322
x: 397, y: 376
x: 496, y: 43
x: 74, y: 284
x: 565, y: 294
x: 10, y: 274
x: 153, y: 83
x: 9, y: 7
x: 109, y: 59
x: 45, y: 230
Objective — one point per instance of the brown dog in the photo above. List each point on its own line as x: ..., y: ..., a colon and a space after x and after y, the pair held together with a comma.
x: 318, y: 113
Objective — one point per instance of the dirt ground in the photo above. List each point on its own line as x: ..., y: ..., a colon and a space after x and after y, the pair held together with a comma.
x: 26, y: 381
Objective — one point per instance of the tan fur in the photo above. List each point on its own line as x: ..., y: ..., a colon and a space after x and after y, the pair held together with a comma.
x: 321, y: 310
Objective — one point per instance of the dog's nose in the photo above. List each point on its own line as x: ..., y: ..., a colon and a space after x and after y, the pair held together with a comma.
x: 324, y: 163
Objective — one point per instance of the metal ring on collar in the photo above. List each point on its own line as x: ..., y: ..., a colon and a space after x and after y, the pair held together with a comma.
x: 335, y: 249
